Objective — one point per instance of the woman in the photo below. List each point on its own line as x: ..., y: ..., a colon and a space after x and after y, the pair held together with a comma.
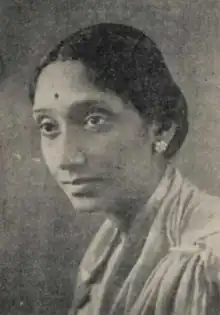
x: 111, y: 118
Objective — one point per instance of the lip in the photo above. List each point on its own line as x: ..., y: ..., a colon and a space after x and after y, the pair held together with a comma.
x: 81, y: 181
x: 84, y: 194
x: 83, y: 187
x: 85, y: 180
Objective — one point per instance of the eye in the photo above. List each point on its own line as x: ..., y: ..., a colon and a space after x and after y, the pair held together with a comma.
x: 95, y: 121
x: 49, y: 127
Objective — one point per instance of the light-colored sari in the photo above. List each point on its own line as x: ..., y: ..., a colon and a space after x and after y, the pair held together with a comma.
x: 169, y: 265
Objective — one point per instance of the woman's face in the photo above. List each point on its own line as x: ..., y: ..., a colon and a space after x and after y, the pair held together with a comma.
x: 95, y: 145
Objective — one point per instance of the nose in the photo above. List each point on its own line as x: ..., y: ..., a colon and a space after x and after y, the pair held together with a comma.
x: 73, y: 162
x: 73, y: 155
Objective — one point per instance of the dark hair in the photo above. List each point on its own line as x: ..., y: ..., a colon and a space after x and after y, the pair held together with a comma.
x: 129, y: 63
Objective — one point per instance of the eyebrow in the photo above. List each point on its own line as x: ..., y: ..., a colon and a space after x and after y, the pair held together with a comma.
x: 81, y: 107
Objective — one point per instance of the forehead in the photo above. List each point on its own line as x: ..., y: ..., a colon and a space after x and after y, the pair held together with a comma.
x: 64, y: 83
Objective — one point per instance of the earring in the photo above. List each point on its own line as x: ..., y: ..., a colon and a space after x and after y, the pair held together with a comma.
x: 160, y: 146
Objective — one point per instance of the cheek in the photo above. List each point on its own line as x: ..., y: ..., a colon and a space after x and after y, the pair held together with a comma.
x: 51, y: 155
x: 106, y: 151
x: 120, y: 154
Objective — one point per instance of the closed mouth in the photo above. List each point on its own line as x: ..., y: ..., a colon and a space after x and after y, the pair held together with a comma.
x: 83, y: 186
x: 85, y: 180
x: 81, y: 181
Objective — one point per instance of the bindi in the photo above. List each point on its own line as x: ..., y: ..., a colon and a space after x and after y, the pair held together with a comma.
x: 56, y: 95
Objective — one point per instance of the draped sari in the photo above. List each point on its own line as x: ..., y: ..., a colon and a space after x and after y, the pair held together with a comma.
x: 168, y: 265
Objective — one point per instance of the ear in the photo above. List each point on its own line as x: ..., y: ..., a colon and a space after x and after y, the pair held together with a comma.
x: 162, y: 136
x: 172, y: 132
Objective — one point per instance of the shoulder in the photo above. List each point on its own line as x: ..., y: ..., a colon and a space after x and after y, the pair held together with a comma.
x: 202, y: 222
x: 192, y: 212
x: 200, y: 226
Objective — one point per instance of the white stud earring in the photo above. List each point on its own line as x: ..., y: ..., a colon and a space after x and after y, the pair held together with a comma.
x: 160, y: 146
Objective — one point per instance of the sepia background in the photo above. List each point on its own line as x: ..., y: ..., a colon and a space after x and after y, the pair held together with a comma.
x: 41, y: 239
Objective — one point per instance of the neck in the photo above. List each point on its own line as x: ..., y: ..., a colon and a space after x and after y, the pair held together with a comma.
x: 125, y: 211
